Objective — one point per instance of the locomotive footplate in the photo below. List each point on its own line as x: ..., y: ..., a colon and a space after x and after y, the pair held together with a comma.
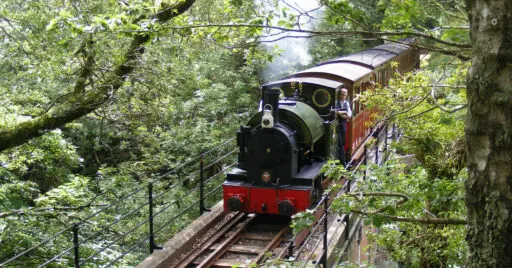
x: 285, y: 200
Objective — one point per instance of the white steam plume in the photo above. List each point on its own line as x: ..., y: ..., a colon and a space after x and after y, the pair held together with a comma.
x: 293, y: 46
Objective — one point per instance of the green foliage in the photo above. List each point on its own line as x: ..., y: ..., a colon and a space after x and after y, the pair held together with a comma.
x: 333, y: 169
x: 414, y: 244
x: 17, y: 194
x: 189, y: 91
x: 428, y: 108
x: 358, y: 14
x: 409, y: 242
x: 302, y: 220
x: 343, y: 205
x: 46, y: 161
x: 72, y: 193
x: 281, y: 263
x: 418, y: 105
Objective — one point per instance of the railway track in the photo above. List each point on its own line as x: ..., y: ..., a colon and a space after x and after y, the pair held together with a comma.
x: 243, y: 240
x: 248, y: 239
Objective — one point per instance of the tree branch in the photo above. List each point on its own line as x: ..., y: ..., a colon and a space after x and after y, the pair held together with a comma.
x: 415, y: 220
x: 452, y: 110
x: 412, y: 107
x: 358, y: 196
x: 421, y: 113
x: 431, y: 93
x: 330, y: 33
x: 404, y: 198
x: 36, y: 210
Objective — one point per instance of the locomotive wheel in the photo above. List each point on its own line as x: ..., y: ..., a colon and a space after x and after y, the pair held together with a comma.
x: 235, y: 204
x: 286, y: 208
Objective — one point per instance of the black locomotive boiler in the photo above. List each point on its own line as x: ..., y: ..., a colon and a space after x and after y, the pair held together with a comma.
x: 281, y: 152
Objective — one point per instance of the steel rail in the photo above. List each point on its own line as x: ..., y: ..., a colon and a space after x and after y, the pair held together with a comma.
x: 204, y: 246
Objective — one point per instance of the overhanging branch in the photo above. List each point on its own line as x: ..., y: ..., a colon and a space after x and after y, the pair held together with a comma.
x: 415, y: 220
x: 463, y: 46
x: 46, y: 209
x: 442, y: 107
x: 358, y: 196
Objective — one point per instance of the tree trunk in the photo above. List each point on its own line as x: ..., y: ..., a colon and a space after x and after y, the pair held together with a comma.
x: 81, y: 102
x: 489, y: 134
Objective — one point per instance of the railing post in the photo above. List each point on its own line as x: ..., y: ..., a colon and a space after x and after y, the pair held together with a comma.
x: 365, y: 160
x: 386, y: 139
x: 393, y: 134
x: 152, y: 245
x: 347, y: 226
x: 326, y: 206
x: 377, y: 149
x: 202, y: 208
x: 290, y: 248
x: 76, y: 245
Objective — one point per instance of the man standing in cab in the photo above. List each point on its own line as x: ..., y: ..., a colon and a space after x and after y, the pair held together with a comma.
x: 343, y: 113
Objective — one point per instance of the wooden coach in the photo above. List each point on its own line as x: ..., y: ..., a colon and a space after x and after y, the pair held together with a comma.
x: 356, y: 72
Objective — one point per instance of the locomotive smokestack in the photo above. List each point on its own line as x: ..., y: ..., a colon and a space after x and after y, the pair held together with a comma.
x: 271, y: 97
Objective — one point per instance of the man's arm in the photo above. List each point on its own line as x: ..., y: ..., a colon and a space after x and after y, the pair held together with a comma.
x: 342, y: 113
x: 345, y: 114
x: 349, y: 111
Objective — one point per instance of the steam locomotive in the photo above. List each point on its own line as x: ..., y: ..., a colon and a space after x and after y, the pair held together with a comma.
x: 283, y: 147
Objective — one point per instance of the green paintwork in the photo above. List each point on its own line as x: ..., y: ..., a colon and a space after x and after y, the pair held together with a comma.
x: 301, y: 117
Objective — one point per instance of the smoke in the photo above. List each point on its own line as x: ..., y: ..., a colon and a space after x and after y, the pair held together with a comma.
x: 292, y: 46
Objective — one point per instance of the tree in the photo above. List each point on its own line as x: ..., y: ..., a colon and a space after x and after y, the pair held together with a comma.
x: 88, y: 85
x: 84, y: 98
x: 429, y: 108
x: 488, y: 134
x: 183, y: 97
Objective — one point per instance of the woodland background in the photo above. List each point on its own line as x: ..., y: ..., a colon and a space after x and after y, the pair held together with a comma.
x: 100, y: 96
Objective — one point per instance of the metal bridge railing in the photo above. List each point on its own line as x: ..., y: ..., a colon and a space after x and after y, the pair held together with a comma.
x: 350, y: 185
x: 153, y: 212
x: 159, y: 206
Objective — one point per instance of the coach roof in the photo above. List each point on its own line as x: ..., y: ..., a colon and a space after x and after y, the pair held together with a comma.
x: 372, y: 58
x: 327, y: 83
x: 337, y: 71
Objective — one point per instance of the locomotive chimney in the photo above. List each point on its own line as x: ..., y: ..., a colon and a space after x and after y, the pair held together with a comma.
x: 271, y: 97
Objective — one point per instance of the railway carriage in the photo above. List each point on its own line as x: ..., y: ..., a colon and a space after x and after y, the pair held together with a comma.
x: 284, y: 146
